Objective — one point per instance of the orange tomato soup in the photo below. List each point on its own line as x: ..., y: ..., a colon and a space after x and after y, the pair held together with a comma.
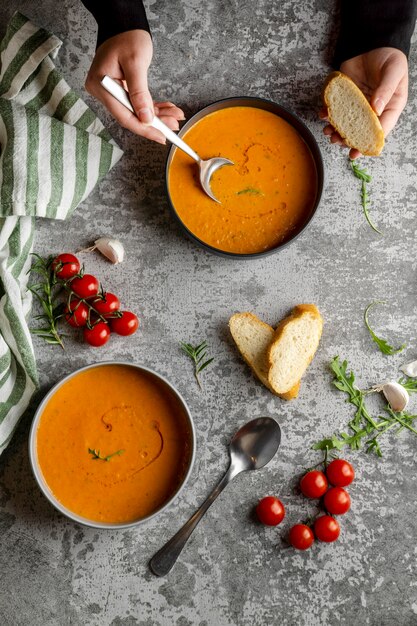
x: 130, y: 418
x: 267, y: 194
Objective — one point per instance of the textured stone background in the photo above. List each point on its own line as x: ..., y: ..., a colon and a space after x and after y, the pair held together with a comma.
x: 233, y: 571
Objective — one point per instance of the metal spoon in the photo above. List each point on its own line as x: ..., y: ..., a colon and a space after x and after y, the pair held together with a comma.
x: 252, y: 447
x: 207, y: 167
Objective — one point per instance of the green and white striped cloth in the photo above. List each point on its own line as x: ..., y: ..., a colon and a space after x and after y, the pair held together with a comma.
x: 54, y: 150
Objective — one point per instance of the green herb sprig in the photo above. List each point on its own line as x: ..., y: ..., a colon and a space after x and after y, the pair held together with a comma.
x: 365, y: 178
x: 97, y: 456
x: 382, y: 344
x: 251, y: 191
x: 197, y: 354
x: 50, y: 291
x: 364, y: 429
x: 46, y: 290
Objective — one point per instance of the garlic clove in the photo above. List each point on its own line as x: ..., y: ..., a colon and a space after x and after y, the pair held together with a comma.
x: 396, y: 395
x: 112, y: 249
x: 410, y: 369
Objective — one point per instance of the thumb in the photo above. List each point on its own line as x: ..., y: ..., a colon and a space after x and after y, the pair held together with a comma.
x: 390, y: 78
x: 136, y: 76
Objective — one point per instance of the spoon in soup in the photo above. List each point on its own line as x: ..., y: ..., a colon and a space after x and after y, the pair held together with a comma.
x: 251, y: 448
x: 207, y: 167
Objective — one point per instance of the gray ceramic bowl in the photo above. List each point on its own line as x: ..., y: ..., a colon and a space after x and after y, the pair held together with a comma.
x: 44, y: 486
x: 288, y: 116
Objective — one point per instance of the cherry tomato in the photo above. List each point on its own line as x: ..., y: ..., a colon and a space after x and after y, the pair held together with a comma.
x: 301, y: 537
x: 340, y: 473
x: 76, y: 314
x: 106, y: 305
x: 98, y: 335
x: 65, y: 266
x: 270, y: 511
x: 337, y: 501
x: 326, y: 528
x: 314, y: 484
x: 127, y: 324
x: 85, y: 287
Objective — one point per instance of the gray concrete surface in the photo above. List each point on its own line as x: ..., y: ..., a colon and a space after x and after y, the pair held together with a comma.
x: 233, y: 572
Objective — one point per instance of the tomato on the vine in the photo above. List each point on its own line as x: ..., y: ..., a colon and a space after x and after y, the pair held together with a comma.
x: 76, y: 313
x: 86, y: 286
x: 126, y: 324
x: 326, y: 528
x: 314, y: 484
x: 337, y: 501
x: 98, y: 335
x: 65, y: 266
x: 107, y: 304
x: 340, y: 473
x: 270, y: 511
x: 301, y: 536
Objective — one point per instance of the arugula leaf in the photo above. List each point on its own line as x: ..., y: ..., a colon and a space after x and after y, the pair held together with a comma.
x: 365, y: 178
x: 382, y: 344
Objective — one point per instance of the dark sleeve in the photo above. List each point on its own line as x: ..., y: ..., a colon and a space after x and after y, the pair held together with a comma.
x: 117, y: 16
x: 370, y: 24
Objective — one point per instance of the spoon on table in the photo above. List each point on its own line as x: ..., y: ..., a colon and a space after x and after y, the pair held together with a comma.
x: 251, y: 448
x: 207, y: 167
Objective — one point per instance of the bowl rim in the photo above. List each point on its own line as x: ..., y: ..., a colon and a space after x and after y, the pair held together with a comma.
x: 317, y: 158
x: 41, y: 482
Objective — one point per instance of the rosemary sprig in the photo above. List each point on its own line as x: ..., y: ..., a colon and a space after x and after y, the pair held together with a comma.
x: 197, y: 354
x: 382, y: 344
x: 365, y: 178
x: 97, y: 456
x: 363, y: 427
x: 46, y: 292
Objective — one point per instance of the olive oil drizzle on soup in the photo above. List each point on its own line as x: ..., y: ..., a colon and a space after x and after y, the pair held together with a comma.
x: 265, y: 196
x: 113, y: 444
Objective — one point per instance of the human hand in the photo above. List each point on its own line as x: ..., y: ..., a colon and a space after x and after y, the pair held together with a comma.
x: 382, y: 75
x: 126, y: 57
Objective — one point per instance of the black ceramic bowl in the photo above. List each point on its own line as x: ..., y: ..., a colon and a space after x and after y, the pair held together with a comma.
x: 303, y: 131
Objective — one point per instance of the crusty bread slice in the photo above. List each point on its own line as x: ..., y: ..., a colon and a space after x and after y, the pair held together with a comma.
x: 350, y: 113
x: 253, y: 338
x: 295, y: 342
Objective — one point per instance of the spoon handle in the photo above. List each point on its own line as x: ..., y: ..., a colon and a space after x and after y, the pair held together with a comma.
x: 164, y: 560
x: 118, y: 92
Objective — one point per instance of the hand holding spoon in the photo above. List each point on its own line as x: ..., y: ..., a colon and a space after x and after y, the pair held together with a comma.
x: 251, y: 448
x: 207, y: 167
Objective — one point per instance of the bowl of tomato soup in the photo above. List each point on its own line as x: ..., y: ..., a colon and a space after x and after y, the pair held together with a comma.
x: 270, y: 194
x: 112, y: 445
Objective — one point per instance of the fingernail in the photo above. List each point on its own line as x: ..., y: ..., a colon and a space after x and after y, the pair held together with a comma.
x: 145, y: 116
x: 379, y: 106
x: 156, y: 110
x: 162, y: 141
x: 182, y: 119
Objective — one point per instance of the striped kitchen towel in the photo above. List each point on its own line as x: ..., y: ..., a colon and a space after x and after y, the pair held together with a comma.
x: 54, y: 150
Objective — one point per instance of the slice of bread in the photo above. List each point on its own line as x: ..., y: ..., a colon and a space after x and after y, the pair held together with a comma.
x: 350, y: 113
x: 295, y: 342
x: 253, y: 338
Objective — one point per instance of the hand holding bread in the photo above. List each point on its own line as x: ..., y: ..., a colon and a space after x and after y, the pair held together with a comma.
x: 382, y: 76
